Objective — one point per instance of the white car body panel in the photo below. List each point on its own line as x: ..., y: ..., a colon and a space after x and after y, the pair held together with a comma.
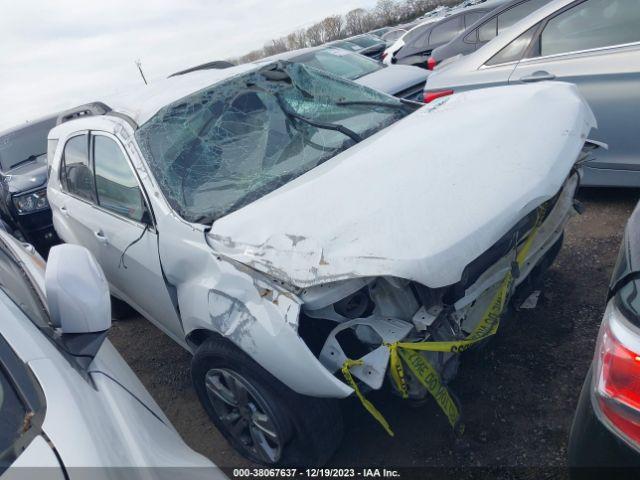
x: 238, y: 278
x: 451, y: 178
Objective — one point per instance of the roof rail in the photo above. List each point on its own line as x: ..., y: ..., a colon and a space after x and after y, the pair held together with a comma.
x: 215, y: 65
x: 86, y: 110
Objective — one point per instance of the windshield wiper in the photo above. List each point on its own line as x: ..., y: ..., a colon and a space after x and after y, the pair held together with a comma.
x: 314, y: 123
x: 372, y: 103
x: 30, y: 158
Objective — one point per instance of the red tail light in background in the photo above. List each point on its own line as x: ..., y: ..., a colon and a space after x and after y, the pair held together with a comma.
x: 431, y: 63
x: 617, y: 374
x: 384, y: 55
x: 431, y: 96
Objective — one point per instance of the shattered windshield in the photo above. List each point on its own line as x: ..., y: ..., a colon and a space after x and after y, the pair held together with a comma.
x: 340, y: 62
x: 227, y: 145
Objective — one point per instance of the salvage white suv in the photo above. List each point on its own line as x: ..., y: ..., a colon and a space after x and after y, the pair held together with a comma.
x: 299, y: 233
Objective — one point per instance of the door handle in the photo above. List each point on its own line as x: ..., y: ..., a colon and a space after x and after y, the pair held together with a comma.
x: 99, y: 234
x: 537, y: 77
x: 64, y: 210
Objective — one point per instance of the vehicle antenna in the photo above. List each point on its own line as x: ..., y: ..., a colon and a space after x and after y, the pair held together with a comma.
x: 139, y: 65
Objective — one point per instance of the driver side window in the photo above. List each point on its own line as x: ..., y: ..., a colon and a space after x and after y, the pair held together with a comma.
x: 116, y: 185
x: 592, y: 24
x: 76, y: 173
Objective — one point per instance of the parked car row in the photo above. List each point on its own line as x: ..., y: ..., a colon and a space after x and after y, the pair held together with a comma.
x: 594, y: 44
x: 401, y: 81
x: 249, y: 212
x: 415, y: 47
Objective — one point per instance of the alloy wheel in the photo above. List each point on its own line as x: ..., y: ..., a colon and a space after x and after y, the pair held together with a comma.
x: 245, y: 414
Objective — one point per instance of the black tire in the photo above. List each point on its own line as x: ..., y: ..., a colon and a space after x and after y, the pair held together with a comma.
x: 121, y: 310
x: 309, y: 429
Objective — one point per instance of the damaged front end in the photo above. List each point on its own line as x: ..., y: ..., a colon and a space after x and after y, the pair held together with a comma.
x: 364, y: 319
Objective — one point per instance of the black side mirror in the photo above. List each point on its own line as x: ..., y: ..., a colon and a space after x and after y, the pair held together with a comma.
x: 146, y: 217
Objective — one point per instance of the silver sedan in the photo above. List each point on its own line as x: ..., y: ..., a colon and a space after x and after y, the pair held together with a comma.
x: 594, y: 44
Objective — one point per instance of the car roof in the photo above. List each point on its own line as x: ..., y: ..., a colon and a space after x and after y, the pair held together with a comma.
x: 433, y: 21
x: 205, y: 66
x: 497, y: 10
x: 143, y: 102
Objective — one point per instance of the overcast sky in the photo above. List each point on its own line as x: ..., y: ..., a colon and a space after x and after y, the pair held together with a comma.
x: 58, y: 54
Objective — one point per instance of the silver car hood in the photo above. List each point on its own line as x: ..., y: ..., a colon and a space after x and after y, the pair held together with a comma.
x: 395, y: 78
x: 421, y: 199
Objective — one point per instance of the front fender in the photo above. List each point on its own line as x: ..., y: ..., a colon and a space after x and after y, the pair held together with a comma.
x: 264, y: 327
x: 262, y: 319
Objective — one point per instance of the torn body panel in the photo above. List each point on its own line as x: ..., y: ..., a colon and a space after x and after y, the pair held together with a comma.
x: 413, y: 317
x: 257, y: 315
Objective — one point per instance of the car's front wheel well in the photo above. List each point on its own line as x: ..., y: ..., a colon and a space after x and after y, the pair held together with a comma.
x: 198, y: 336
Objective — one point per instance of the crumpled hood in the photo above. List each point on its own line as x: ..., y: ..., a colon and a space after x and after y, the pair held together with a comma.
x: 394, y: 78
x: 421, y: 199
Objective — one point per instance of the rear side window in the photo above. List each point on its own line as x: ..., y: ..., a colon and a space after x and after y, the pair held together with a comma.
x: 488, y: 30
x: 471, y: 18
x: 592, y: 24
x: 116, y: 184
x: 498, y: 24
x: 445, y: 31
x: 76, y: 175
x: 507, y: 18
x: 515, y: 50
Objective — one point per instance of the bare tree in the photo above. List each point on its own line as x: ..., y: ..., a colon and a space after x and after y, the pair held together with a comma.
x: 276, y: 46
x: 332, y: 27
x: 251, y: 56
x: 297, y: 39
x: 386, y: 12
x: 315, y: 35
x: 355, y: 21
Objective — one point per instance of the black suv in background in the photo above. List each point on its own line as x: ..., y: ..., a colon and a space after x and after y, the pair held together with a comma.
x: 23, y: 183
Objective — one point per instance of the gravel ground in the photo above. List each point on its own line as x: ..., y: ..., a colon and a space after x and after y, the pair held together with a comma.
x: 518, y: 394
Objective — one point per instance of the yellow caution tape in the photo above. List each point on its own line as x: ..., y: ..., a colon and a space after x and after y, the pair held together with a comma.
x: 366, y: 403
x: 422, y: 369
x: 429, y: 378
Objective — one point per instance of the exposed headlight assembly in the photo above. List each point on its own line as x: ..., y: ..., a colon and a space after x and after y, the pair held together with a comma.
x: 31, y: 202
